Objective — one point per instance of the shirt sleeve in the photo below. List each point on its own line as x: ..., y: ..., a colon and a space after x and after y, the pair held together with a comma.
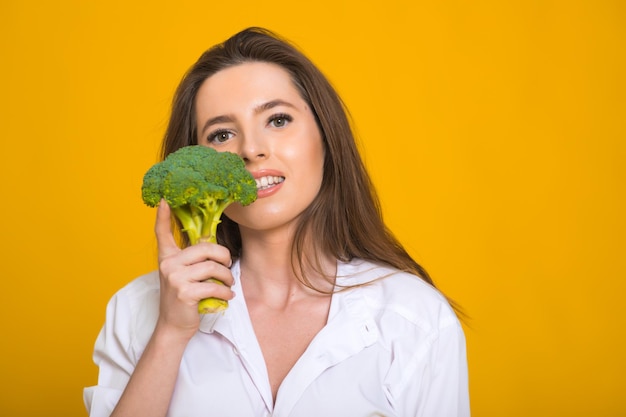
x: 113, y: 354
x: 434, y: 380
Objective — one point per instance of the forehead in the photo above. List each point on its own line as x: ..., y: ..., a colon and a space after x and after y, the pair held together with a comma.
x: 251, y: 81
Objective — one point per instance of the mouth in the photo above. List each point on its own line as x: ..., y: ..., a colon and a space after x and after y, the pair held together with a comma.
x: 268, y: 181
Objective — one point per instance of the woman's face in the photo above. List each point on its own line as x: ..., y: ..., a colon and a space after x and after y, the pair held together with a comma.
x: 254, y: 110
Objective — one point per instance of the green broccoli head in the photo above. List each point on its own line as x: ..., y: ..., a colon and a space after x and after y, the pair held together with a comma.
x: 199, y: 183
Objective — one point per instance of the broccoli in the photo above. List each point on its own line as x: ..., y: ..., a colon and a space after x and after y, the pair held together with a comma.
x: 198, y: 183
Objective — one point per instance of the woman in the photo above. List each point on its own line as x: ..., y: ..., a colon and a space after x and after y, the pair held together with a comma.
x: 328, y: 314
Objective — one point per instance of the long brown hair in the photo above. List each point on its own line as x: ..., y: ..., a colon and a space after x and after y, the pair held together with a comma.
x: 346, y: 213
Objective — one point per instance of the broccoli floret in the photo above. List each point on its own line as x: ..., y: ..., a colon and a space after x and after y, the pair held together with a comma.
x: 199, y: 183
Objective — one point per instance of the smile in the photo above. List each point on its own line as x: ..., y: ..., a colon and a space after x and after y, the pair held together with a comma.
x: 268, y: 181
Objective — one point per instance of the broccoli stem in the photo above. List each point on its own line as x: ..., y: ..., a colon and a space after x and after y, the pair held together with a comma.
x: 201, y: 226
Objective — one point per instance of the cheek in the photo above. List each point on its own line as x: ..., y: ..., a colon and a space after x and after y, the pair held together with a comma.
x: 239, y: 214
x: 317, y: 162
x: 307, y: 157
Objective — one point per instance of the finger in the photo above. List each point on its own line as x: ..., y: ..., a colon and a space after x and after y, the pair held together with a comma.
x: 210, y: 289
x: 207, y: 270
x: 182, y: 287
x: 205, y: 251
x: 163, y: 231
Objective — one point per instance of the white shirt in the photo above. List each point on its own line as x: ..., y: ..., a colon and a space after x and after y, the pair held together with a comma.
x: 391, y: 348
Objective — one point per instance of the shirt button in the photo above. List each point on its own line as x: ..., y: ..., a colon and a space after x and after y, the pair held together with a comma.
x: 236, y: 351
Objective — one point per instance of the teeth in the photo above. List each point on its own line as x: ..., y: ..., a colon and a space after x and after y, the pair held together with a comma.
x: 266, y: 182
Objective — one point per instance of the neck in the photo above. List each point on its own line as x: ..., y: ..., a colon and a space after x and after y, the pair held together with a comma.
x: 270, y: 269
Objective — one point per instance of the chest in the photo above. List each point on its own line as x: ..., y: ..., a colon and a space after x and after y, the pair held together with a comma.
x: 217, y: 379
x: 284, y: 335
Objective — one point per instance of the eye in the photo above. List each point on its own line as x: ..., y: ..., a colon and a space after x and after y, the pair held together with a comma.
x: 280, y: 120
x: 219, y: 136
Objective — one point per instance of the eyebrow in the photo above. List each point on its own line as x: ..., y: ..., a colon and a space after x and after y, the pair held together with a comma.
x: 271, y: 104
x: 257, y: 110
x: 215, y: 120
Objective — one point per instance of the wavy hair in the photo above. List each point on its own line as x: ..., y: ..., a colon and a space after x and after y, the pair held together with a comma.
x: 346, y: 213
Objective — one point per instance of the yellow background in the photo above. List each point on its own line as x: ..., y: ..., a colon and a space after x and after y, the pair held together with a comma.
x: 495, y: 132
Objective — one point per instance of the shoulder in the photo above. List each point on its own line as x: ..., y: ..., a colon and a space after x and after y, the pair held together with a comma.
x: 418, y: 335
x: 139, y: 294
x: 140, y: 288
x: 386, y: 292
x: 133, y: 310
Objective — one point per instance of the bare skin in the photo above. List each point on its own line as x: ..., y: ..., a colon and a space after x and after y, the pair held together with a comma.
x: 298, y: 319
x: 285, y: 314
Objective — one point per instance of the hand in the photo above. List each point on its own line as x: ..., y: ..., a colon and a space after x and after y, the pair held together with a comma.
x: 183, y: 273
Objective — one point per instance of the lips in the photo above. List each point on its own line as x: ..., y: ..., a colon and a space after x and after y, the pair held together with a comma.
x: 268, y: 182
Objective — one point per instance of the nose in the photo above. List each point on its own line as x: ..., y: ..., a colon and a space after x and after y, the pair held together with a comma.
x: 253, y: 147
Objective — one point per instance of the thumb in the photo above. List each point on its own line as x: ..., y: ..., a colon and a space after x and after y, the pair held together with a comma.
x: 163, y: 230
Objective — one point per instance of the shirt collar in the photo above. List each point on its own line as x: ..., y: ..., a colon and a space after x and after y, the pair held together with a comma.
x: 348, y: 305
